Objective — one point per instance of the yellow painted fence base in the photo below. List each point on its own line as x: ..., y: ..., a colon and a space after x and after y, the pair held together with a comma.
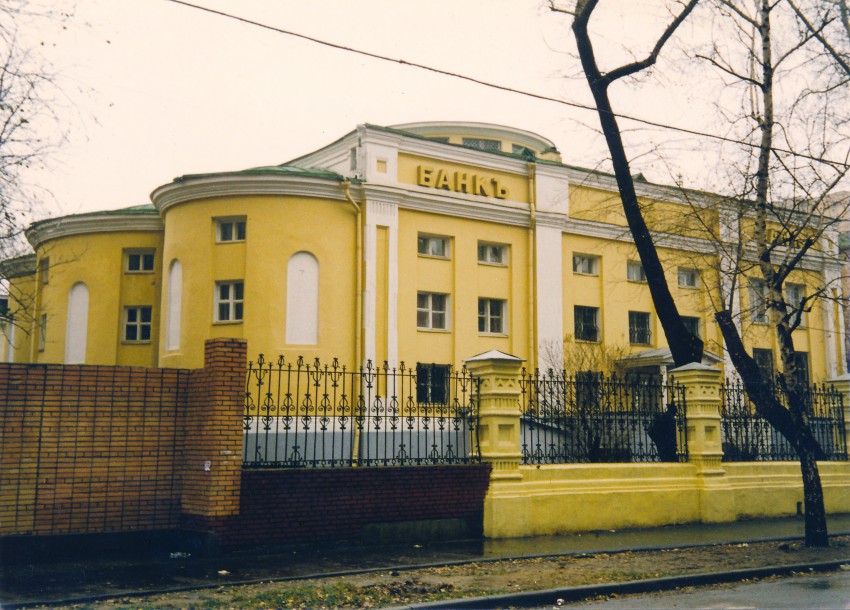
x: 555, y: 499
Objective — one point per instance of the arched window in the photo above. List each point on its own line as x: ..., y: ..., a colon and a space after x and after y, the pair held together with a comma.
x: 302, y: 299
x: 76, y: 324
x: 174, y: 306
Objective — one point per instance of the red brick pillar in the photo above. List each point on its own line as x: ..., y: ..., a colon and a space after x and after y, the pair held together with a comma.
x: 212, y: 449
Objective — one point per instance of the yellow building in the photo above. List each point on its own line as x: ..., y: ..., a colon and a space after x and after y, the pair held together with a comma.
x: 423, y: 243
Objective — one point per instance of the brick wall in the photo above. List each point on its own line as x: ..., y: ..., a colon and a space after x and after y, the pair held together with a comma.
x: 306, y: 505
x: 89, y: 448
x: 213, y: 443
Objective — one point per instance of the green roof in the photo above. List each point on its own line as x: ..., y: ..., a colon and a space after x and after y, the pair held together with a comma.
x: 270, y: 170
x: 146, y: 209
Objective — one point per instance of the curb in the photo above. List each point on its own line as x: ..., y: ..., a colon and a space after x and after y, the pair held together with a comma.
x: 516, y: 599
x: 551, y: 597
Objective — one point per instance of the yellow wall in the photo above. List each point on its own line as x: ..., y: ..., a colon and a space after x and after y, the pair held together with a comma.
x: 465, y: 279
x: 588, y: 203
x: 553, y: 499
x: 277, y: 228
x: 98, y: 261
x: 615, y: 295
x: 21, y: 305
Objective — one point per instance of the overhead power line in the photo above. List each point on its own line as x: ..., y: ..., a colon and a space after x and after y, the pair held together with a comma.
x: 483, y: 83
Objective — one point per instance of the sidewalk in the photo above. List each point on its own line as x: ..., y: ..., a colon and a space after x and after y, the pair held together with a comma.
x: 113, y: 575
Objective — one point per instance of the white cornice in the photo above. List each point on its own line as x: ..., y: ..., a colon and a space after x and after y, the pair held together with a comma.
x: 448, y: 203
x: 44, y: 231
x: 19, y: 266
x: 245, y: 185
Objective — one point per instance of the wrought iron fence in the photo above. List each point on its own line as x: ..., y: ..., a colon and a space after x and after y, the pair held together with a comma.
x: 591, y: 418
x: 310, y: 414
x: 748, y: 437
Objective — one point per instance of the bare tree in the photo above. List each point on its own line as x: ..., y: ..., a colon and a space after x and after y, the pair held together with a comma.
x: 684, y: 346
x: 30, y: 132
x: 778, y: 213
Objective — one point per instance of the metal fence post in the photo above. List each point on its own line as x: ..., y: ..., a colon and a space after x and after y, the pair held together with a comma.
x: 842, y: 385
x: 498, y: 411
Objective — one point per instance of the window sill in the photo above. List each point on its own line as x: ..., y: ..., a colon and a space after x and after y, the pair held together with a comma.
x: 146, y: 272
x: 130, y: 342
x: 586, y: 274
x: 489, y: 264
x: 636, y: 281
x: 435, y: 257
x: 226, y: 322
x: 484, y: 334
x: 433, y: 330
x: 596, y: 341
x: 231, y: 241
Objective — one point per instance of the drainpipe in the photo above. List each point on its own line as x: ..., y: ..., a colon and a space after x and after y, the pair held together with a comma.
x: 358, y: 308
x: 532, y: 281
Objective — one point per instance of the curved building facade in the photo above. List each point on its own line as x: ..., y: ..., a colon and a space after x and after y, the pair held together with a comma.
x: 424, y: 243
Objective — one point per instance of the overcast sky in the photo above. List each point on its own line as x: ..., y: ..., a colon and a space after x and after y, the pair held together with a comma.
x: 156, y: 89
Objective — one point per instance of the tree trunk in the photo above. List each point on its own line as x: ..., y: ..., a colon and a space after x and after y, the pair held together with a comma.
x: 684, y: 347
x: 815, y: 510
x: 793, y: 427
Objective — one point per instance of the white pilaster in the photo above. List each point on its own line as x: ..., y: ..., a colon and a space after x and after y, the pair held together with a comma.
x: 550, y: 298
x: 833, y: 330
x: 380, y: 213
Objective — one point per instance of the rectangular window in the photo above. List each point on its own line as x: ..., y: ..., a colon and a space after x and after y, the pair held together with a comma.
x: 692, y: 324
x: 430, y: 245
x: 432, y: 311
x: 764, y: 360
x: 139, y: 261
x: 4, y: 308
x: 688, y: 278
x: 587, y: 323
x: 585, y: 264
x: 137, y: 323
x: 432, y: 383
x: 493, y: 254
x: 639, y: 330
x: 801, y: 360
x: 44, y: 270
x: 758, y: 302
x: 634, y: 272
x: 483, y: 144
x: 229, y: 298
x: 491, y: 316
x: 524, y: 151
x: 229, y: 230
x: 42, y: 332
x: 795, y: 296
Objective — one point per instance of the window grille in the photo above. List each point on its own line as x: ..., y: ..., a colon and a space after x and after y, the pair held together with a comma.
x: 586, y: 323
x: 639, y: 331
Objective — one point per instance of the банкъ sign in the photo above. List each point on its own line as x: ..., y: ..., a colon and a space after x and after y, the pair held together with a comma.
x: 461, y: 182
